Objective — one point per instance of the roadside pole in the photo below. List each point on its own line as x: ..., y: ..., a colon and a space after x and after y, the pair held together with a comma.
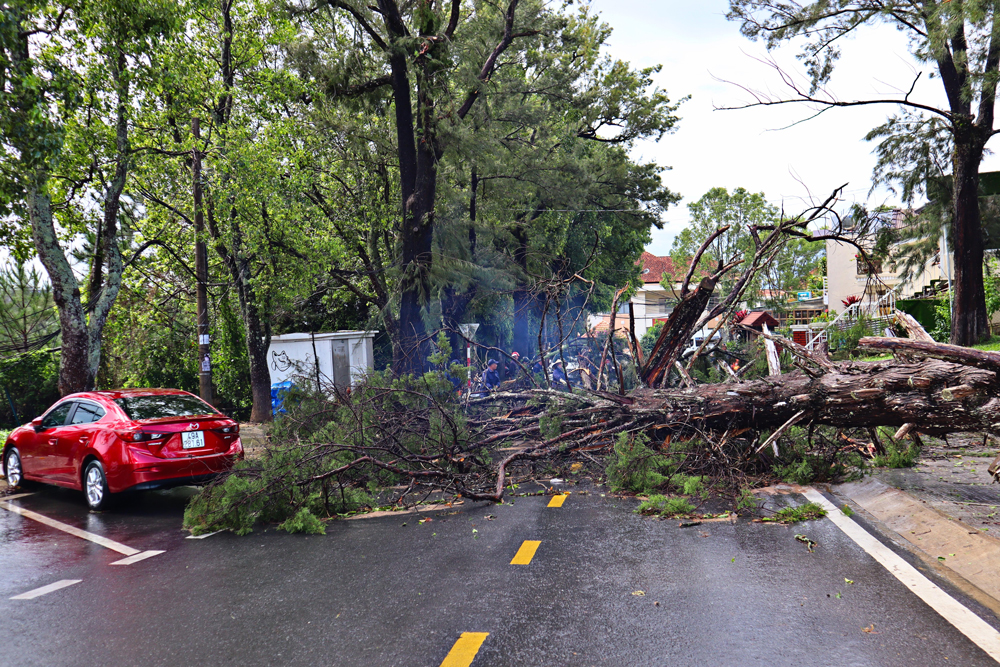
x: 201, y: 275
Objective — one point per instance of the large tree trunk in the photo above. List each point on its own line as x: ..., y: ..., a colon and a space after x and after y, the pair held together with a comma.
x: 969, y: 324
x: 418, y: 159
x: 935, y: 396
x: 74, y: 366
x: 81, y: 335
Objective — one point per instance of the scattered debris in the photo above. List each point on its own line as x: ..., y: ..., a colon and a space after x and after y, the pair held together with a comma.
x: 638, y: 592
x: 688, y: 524
x: 870, y: 629
x: 808, y: 542
x: 806, y: 512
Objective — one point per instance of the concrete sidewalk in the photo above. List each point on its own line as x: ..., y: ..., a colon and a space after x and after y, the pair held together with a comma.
x: 945, y: 510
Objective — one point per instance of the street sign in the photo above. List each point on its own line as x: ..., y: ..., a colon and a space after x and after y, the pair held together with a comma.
x: 805, y: 295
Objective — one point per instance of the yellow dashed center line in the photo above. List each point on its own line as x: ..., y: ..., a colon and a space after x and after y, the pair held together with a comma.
x: 465, y: 649
x: 557, y: 501
x: 526, y: 552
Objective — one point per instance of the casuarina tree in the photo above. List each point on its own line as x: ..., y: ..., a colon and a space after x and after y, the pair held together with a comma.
x: 961, y: 41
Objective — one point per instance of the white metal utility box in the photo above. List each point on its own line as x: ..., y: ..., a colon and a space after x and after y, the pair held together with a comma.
x: 344, y: 357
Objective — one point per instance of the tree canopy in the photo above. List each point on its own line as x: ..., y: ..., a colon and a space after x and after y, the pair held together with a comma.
x: 960, y: 41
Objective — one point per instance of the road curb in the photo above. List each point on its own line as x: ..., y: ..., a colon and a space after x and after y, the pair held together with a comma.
x: 962, y: 554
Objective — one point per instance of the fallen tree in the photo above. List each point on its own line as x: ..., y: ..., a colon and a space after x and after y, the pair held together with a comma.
x: 413, y: 437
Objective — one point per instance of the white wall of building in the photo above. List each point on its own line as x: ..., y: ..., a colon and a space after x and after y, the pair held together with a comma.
x: 843, y: 279
x: 344, y: 357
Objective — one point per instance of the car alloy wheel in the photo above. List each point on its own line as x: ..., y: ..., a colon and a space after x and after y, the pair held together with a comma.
x: 13, y: 468
x: 95, y: 486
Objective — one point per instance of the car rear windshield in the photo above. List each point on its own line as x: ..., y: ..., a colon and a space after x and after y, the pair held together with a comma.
x: 163, y: 405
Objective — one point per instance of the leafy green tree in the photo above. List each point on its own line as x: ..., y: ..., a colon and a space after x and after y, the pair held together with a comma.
x: 960, y: 40
x: 718, y: 209
x: 532, y: 181
x: 66, y: 69
x: 253, y: 160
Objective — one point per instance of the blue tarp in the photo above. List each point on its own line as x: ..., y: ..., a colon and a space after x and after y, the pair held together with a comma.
x: 279, y: 390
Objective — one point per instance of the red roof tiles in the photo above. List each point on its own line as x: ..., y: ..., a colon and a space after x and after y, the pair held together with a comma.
x: 658, y: 266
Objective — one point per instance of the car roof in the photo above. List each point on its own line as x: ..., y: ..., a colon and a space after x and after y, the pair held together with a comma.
x: 113, y: 394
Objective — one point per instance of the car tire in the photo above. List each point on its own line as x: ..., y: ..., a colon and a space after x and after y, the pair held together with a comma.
x: 12, y: 468
x: 95, y: 487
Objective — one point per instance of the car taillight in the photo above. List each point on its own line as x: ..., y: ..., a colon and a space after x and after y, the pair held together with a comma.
x: 235, y: 428
x: 140, y: 436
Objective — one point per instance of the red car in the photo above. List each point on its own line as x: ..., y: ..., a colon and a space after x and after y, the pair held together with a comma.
x: 106, y: 442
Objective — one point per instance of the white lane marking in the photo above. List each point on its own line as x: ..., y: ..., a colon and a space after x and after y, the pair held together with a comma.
x: 16, y: 495
x: 72, y: 530
x: 201, y: 537
x: 976, y: 629
x: 136, y: 558
x: 38, y: 592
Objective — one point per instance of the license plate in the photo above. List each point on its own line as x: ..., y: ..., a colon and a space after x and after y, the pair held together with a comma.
x: 192, y: 439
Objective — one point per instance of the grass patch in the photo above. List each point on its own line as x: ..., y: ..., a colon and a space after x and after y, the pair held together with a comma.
x: 991, y: 345
x: 807, y: 512
x: 664, y: 507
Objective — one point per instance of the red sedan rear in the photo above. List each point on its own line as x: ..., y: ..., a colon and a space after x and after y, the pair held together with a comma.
x: 106, y: 442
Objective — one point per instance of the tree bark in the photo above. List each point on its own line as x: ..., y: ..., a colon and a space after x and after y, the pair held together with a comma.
x: 852, y: 395
x: 969, y: 324
x: 80, y: 356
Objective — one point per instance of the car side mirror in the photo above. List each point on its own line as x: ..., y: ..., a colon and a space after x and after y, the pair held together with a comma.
x: 36, y: 423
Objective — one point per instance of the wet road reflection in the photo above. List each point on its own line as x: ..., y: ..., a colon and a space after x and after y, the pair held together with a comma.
x: 608, y: 588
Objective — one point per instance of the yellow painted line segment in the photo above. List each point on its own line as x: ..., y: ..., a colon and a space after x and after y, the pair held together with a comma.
x: 526, y: 552
x: 557, y: 501
x: 465, y: 649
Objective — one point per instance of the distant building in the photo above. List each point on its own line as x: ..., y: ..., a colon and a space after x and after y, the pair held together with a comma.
x: 757, y: 319
x: 847, y: 272
x: 652, y: 303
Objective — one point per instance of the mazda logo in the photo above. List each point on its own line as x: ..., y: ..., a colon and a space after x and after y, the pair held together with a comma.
x: 192, y: 426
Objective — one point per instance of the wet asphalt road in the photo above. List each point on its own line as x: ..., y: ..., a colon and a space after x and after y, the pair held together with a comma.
x: 375, y: 592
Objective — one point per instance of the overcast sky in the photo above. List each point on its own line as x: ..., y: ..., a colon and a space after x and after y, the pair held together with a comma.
x: 697, y: 47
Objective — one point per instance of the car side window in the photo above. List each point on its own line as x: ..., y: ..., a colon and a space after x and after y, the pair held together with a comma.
x: 57, y: 415
x: 86, y: 413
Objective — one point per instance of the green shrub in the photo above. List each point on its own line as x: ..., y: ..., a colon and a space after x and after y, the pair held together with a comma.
x: 844, y: 344
x: 28, y: 385
x: 634, y: 467
x: 303, y: 522
x: 662, y: 506
x: 897, y: 457
x: 746, y: 500
x: 690, y: 486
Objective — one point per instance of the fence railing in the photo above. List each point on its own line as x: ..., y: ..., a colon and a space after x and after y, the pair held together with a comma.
x: 877, y: 315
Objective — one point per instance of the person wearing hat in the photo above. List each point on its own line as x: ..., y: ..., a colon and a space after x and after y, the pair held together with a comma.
x: 491, y: 379
x: 558, y: 375
x: 512, y: 368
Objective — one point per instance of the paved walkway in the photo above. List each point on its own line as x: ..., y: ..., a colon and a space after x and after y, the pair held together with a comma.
x: 946, y: 510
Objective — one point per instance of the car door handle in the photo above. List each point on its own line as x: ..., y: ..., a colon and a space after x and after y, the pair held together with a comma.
x: 85, y: 439
x: 53, y: 441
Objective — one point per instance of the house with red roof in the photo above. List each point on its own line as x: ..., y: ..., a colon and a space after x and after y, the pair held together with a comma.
x: 652, y: 302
